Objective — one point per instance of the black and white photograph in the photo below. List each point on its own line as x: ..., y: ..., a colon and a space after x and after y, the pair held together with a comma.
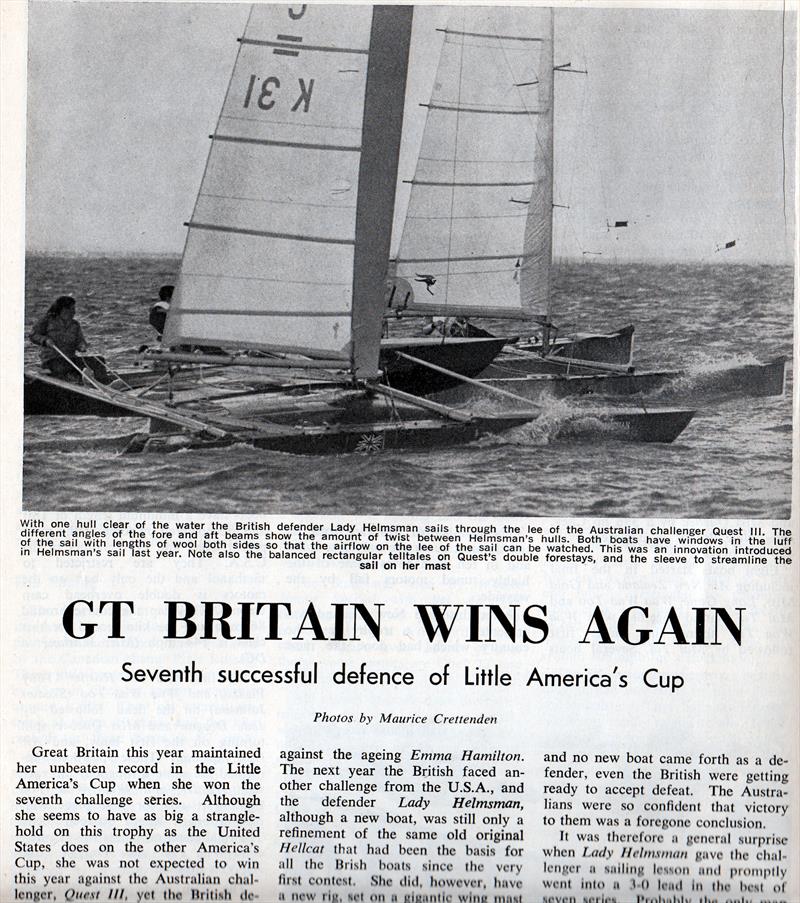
x: 453, y: 260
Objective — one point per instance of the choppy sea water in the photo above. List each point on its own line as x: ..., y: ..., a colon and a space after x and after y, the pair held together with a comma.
x: 734, y: 459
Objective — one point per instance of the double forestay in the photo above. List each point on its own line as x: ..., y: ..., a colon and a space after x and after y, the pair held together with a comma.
x: 287, y: 245
x: 477, y: 238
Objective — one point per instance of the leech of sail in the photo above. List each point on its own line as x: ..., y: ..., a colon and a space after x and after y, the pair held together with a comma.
x: 480, y: 34
x: 268, y: 143
x: 257, y: 232
x: 457, y: 109
x: 315, y: 47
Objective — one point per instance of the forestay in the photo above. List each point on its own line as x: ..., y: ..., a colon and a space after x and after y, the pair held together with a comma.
x: 270, y: 260
x: 478, y: 232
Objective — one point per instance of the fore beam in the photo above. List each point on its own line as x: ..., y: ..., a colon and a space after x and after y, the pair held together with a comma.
x: 231, y: 360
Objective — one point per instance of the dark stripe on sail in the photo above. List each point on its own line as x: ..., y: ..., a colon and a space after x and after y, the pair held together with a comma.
x: 467, y: 184
x: 235, y: 230
x: 221, y: 311
x: 478, y: 34
x: 279, y: 51
x: 316, y: 47
x: 455, y: 259
x: 457, y: 109
x: 268, y: 143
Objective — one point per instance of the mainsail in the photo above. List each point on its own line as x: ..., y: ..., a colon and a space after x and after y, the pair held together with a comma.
x: 287, y: 245
x: 477, y: 238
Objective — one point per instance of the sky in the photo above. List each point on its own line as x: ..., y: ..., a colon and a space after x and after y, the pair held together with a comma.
x: 677, y: 128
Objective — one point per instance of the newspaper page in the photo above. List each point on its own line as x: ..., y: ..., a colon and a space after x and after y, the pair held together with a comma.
x: 352, y: 551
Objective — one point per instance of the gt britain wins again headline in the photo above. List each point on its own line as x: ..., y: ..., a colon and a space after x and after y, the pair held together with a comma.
x: 633, y: 625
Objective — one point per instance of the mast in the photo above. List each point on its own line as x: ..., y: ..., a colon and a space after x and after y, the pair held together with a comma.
x: 390, y: 39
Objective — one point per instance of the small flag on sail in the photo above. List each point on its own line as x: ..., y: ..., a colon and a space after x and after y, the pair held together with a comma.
x: 617, y: 224
x: 728, y: 244
x: 429, y: 281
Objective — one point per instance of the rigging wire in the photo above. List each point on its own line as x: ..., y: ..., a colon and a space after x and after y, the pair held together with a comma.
x: 783, y: 109
x: 455, y: 166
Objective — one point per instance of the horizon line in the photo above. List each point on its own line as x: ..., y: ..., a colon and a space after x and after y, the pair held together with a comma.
x: 712, y: 258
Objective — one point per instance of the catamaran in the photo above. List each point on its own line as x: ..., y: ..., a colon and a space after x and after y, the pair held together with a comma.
x: 478, y: 235
x: 287, y: 248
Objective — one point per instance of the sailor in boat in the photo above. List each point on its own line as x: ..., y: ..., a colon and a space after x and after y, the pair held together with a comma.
x: 462, y: 328
x: 60, y: 338
x: 158, y: 320
x: 159, y: 310
x: 431, y: 326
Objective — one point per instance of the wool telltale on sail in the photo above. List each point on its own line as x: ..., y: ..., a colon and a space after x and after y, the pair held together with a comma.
x: 288, y: 242
x: 478, y: 231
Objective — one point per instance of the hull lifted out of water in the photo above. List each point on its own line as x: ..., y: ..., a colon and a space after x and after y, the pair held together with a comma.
x: 701, y: 387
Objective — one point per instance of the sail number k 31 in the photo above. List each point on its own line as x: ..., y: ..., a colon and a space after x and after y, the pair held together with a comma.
x: 264, y: 93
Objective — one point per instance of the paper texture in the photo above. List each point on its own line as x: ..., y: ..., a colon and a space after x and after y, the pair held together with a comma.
x: 556, y: 664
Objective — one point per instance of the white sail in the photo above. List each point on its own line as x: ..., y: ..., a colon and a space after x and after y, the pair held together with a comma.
x: 478, y: 232
x: 271, y: 260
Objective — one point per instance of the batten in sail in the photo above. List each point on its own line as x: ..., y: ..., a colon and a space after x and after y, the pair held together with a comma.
x: 477, y: 236
x: 270, y: 255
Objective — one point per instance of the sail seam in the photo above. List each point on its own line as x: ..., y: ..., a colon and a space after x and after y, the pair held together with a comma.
x: 260, y: 279
x: 491, y: 110
x: 479, y: 34
x: 338, y: 128
x: 283, y: 235
x: 468, y: 184
x: 294, y: 47
x: 464, y: 160
x: 236, y: 197
x: 455, y: 259
x: 473, y: 216
x: 298, y: 144
x: 217, y: 311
